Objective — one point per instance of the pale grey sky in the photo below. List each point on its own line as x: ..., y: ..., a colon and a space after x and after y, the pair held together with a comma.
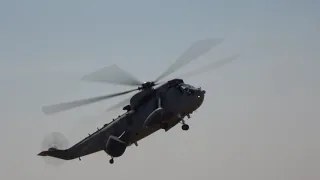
x: 260, y: 117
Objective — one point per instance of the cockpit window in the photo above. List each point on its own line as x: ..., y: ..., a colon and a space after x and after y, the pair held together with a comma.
x: 187, y: 88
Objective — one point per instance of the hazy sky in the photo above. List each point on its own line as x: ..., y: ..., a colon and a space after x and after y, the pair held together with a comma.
x: 260, y: 118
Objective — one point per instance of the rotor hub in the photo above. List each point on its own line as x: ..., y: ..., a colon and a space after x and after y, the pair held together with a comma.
x: 146, y: 85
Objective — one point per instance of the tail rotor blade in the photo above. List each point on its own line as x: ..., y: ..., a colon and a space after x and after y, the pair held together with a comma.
x: 196, y: 50
x: 209, y: 67
x: 54, y: 140
x: 73, y: 104
x: 112, y: 74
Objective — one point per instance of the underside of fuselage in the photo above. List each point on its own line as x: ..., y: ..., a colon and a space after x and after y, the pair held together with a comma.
x: 168, y: 122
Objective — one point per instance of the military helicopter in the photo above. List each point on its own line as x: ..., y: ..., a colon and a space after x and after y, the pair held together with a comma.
x: 157, y: 105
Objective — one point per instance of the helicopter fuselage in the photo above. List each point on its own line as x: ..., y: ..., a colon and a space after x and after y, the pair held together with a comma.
x: 160, y: 108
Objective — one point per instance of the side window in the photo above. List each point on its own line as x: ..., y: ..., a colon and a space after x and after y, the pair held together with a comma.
x: 182, y: 89
x: 185, y: 90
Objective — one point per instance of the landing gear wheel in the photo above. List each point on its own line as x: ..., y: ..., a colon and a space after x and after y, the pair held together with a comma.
x: 185, y: 127
x: 111, y: 161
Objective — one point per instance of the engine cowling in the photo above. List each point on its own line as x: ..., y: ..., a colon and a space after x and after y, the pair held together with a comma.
x: 140, y: 98
x: 115, y: 147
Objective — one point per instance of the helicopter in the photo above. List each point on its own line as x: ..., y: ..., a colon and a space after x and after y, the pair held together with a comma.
x: 157, y: 105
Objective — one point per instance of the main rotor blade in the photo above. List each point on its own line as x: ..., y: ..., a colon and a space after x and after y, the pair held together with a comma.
x: 112, y: 74
x: 73, y: 104
x: 209, y: 67
x: 120, y: 104
x: 126, y: 101
x: 193, y: 52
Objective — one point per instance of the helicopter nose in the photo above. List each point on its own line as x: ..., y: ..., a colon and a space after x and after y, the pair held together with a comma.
x: 200, y: 96
x: 201, y: 91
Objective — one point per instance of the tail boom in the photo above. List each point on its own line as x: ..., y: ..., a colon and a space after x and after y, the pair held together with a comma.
x: 60, y: 154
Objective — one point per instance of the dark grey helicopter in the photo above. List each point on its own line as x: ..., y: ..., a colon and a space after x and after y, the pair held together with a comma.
x: 157, y: 106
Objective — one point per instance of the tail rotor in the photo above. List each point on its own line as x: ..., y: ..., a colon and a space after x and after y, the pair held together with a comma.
x: 55, y: 140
